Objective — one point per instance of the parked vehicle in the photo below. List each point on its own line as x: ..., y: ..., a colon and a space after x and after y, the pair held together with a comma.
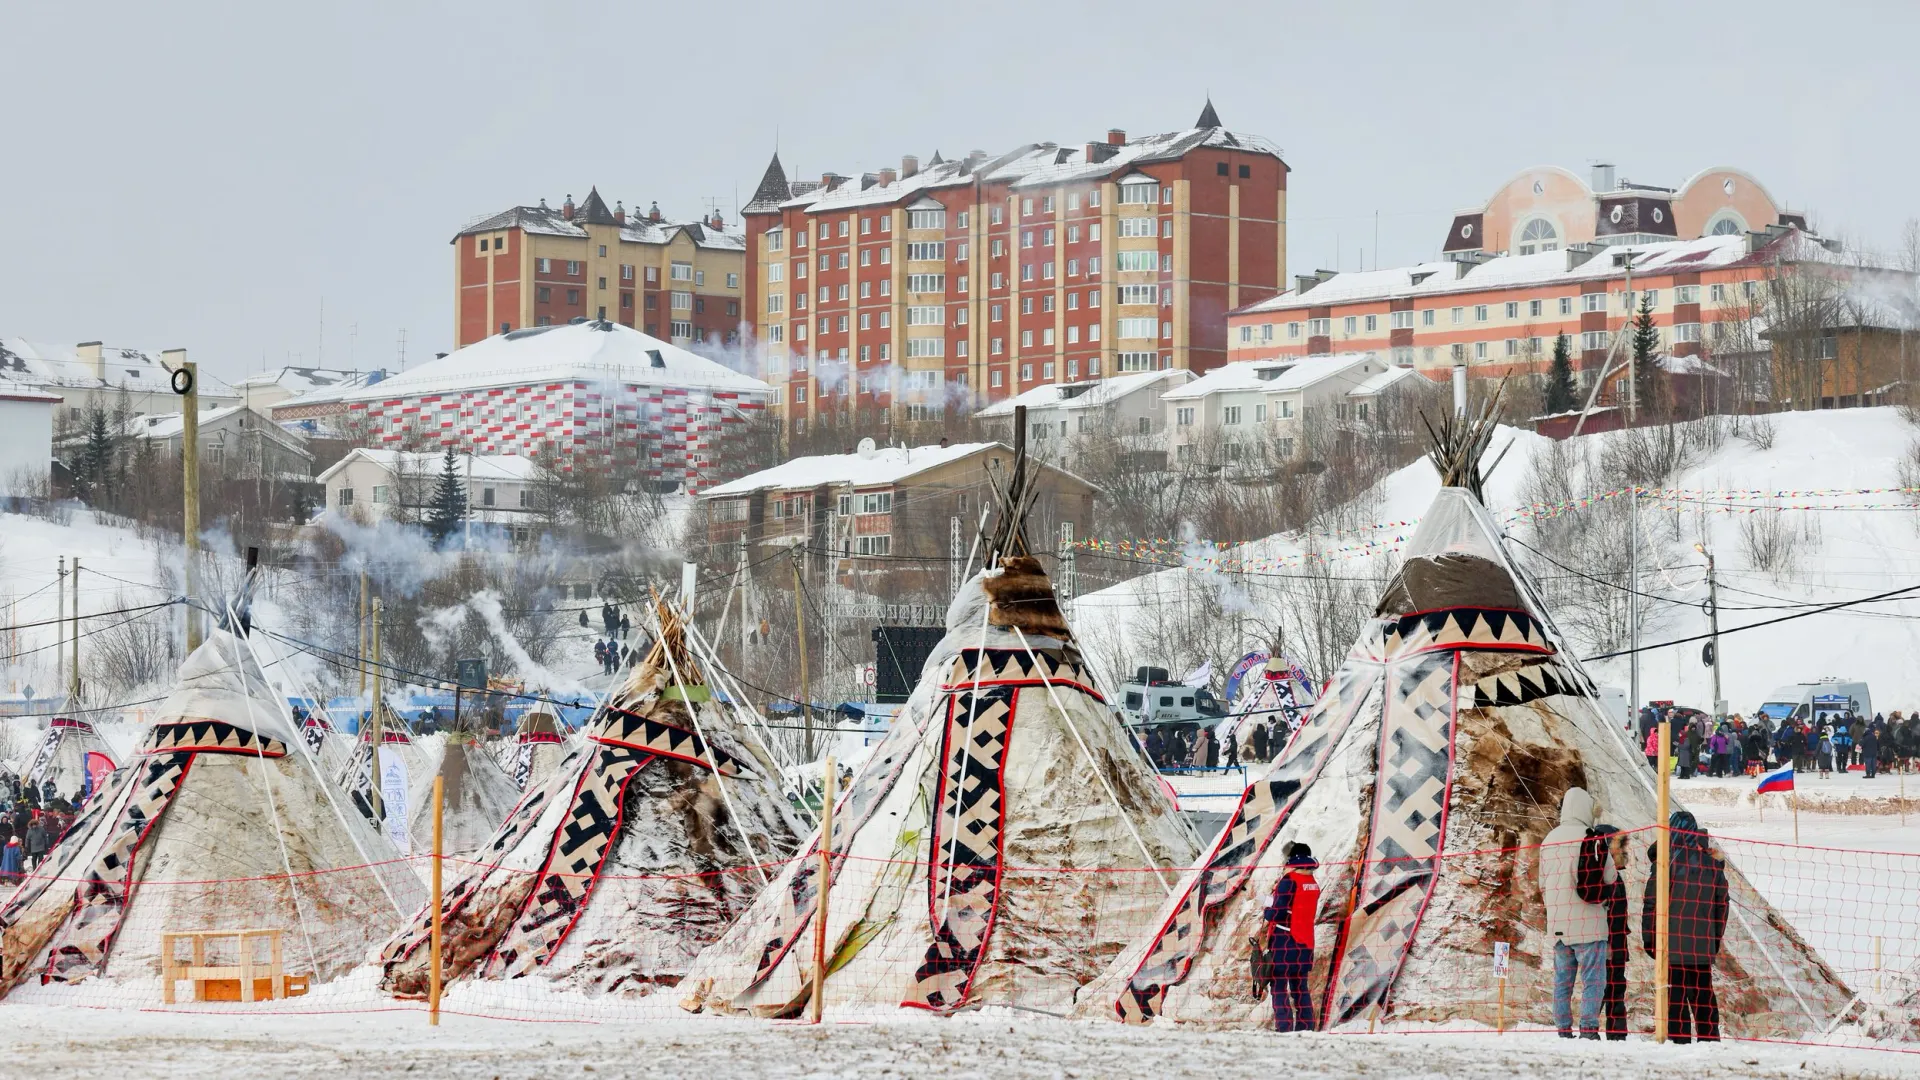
x: 1816, y: 701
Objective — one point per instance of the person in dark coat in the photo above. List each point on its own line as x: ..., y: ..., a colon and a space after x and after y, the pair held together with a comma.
x: 1591, y: 885
x: 1870, y: 746
x: 1696, y: 923
x: 36, y: 841
x: 1259, y: 740
x: 1290, y: 918
x: 1156, y: 748
x: 600, y: 655
x: 626, y: 626
x: 1689, y: 752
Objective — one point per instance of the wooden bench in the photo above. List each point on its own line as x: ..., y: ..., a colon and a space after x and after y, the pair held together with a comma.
x: 247, y: 980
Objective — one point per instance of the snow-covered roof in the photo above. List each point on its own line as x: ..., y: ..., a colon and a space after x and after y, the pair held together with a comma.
x: 543, y: 220
x: 1374, y: 384
x: 14, y: 390
x: 495, y: 467
x: 1085, y: 395
x: 42, y: 364
x: 586, y: 351
x: 887, y: 465
x: 303, y: 380
x: 1545, y: 268
x: 1272, y: 376
x: 169, y: 425
x: 1035, y: 165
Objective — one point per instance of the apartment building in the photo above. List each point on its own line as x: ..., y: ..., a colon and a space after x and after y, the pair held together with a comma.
x: 537, y: 266
x: 1500, y: 314
x: 907, y: 292
x: 1547, y: 208
x: 1065, y: 420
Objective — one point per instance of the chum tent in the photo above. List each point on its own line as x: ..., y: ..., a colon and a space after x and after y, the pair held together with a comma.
x: 1424, y: 779
x: 1002, y: 840
x: 61, y: 757
x: 645, y: 842
x: 221, y: 820
x: 476, y: 794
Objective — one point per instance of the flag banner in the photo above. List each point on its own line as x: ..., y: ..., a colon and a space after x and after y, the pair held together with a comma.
x: 1777, y: 780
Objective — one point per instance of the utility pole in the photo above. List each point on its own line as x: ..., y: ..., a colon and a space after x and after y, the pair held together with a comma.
x: 374, y: 733
x: 1633, y: 369
x: 1633, y: 600
x: 360, y: 658
x: 186, y: 383
x: 1713, y: 629
x: 73, y: 680
x: 60, y: 653
x: 800, y: 624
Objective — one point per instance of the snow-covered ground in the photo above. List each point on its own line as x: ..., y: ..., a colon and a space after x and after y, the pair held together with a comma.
x: 1854, y: 546
x: 987, y: 1044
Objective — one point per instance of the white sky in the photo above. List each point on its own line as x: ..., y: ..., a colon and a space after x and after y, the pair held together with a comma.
x: 204, y: 175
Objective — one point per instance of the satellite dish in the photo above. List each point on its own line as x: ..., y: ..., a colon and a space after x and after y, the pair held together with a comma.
x: 867, y: 447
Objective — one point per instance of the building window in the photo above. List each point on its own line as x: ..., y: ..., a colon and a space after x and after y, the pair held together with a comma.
x: 1513, y: 309
x: 680, y: 271
x: 1538, y: 235
x: 1427, y: 315
x: 1139, y: 328
x: 1139, y: 294
x: 573, y: 296
x: 1689, y: 332
x: 345, y: 497
x: 773, y: 240
x: 1399, y: 320
x: 1479, y: 350
x: 1566, y: 305
x: 998, y: 346
x: 573, y: 268
x: 1593, y: 340
x: 1686, y: 294
x: 1293, y: 331
x: 1183, y: 417
x: 681, y: 329
x: 1593, y: 301
x: 926, y: 283
x: 1319, y: 327
x: 1230, y: 414
x: 683, y: 301
x: 1349, y: 325
x: 1026, y: 372
x: 1480, y: 313
x: 543, y: 294
x: 544, y: 266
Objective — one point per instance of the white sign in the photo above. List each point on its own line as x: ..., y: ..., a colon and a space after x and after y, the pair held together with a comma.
x: 908, y: 614
x: 393, y: 798
x: 1500, y: 959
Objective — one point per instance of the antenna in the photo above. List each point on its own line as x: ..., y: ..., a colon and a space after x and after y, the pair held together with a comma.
x: 403, y: 348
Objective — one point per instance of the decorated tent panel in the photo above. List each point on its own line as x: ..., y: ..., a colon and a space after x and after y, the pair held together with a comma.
x: 1424, y: 780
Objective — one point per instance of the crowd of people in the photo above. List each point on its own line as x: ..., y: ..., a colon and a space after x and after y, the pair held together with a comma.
x: 1176, y: 747
x: 612, y: 652
x: 1734, y: 746
x: 34, y: 818
x: 1585, y: 894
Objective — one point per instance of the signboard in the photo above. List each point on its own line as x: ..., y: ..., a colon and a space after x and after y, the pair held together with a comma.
x: 1239, y: 671
x: 1501, y: 959
x: 471, y: 674
x: 899, y: 652
x: 393, y: 798
x: 896, y: 614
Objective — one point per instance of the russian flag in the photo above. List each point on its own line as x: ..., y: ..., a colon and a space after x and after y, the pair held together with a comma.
x: 1778, y: 780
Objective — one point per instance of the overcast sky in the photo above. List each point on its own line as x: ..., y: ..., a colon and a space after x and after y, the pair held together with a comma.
x: 208, y: 175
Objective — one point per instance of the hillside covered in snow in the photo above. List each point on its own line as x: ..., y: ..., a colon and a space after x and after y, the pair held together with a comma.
x: 1798, y: 510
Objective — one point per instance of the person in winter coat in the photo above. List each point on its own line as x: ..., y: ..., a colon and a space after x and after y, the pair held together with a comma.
x: 1843, y: 742
x: 600, y: 655
x: 36, y: 841
x: 1577, y: 927
x: 1689, y: 752
x: 1717, y: 752
x: 1156, y: 748
x: 1870, y: 746
x: 1596, y: 852
x: 1290, y: 918
x: 1824, y: 751
x: 1259, y: 741
x: 12, y: 858
x: 1653, y: 748
x: 1202, y: 748
x: 1696, y: 923
x: 626, y: 626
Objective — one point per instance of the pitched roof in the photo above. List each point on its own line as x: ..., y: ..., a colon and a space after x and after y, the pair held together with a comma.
x: 1271, y: 376
x: 594, y: 210
x: 593, y: 352
x: 546, y: 221
x: 886, y: 465
x: 773, y: 189
x: 512, y: 468
x: 44, y: 365
x: 1084, y: 395
x: 1208, y: 118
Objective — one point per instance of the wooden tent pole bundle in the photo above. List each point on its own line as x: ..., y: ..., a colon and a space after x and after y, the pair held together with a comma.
x: 1460, y: 443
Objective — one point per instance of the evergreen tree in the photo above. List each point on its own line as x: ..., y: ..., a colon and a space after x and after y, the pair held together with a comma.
x: 1646, y: 342
x: 449, y: 502
x: 93, y: 469
x: 1561, y: 395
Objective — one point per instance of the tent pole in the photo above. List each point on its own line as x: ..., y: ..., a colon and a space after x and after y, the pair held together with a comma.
x: 373, y: 722
x: 73, y: 687
x: 800, y: 625
x: 820, y: 910
x: 433, y: 972
x: 1663, y: 888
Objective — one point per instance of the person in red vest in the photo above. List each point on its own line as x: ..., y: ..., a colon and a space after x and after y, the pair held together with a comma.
x: 1290, y: 917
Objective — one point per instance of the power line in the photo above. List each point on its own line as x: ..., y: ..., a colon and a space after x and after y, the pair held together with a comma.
x: 1755, y: 626
x: 93, y: 615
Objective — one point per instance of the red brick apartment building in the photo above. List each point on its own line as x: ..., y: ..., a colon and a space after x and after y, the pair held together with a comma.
x: 536, y: 266
x: 1548, y: 255
x: 966, y: 281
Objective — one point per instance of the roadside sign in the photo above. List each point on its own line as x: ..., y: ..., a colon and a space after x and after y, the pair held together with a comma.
x: 1501, y: 959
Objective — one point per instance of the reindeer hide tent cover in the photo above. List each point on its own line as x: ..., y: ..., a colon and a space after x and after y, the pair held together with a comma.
x: 535, y: 750
x: 647, y: 840
x: 220, y: 821
x: 1002, y: 841
x: 1434, y: 764
x: 62, y: 756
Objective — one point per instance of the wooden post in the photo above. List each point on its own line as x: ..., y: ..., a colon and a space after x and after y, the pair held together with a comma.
x: 1500, y: 1025
x: 821, y: 911
x: 374, y: 735
x: 433, y: 973
x: 60, y: 652
x: 190, y: 487
x: 800, y: 623
x: 1795, y: 804
x: 1663, y: 885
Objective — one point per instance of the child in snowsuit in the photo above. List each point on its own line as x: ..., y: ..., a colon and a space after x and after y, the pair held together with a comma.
x: 1290, y: 917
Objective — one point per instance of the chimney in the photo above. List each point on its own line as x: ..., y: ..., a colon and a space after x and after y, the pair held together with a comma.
x: 717, y: 221
x: 909, y: 164
x: 170, y: 359
x: 1116, y: 137
x: 1603, y: 179
x: 1304, y: 283
x: 888, y: 176
x: 566, y: 208
x: 94, y: 357
x: 653, y: 213
x: 619, y: 213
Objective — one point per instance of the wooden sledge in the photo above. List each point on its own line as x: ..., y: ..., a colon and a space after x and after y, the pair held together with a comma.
x: 248, y: 980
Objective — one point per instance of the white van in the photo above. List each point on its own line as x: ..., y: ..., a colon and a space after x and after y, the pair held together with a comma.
x: 1817, y: 700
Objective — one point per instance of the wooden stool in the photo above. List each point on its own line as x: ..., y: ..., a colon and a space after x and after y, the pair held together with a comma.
x: 244, y: 981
